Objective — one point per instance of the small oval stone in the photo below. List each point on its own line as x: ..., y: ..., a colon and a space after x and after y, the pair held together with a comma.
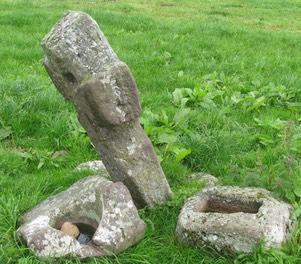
x: 70, y: 229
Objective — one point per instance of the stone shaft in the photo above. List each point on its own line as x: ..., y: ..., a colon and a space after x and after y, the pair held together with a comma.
x: 85, y: 69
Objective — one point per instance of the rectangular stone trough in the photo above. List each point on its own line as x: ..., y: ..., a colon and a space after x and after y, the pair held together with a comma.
x: 234, y: 219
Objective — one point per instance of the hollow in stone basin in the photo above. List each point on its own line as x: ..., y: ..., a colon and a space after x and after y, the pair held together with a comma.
x: 225, y: 207
x: 86, y: 233
x: 91, y: 207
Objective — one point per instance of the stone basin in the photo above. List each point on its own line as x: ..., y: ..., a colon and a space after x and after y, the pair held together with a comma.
x: 234, y: 219
x: 103, y: 211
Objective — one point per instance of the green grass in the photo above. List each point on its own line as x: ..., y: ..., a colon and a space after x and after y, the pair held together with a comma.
x: 245, y: 128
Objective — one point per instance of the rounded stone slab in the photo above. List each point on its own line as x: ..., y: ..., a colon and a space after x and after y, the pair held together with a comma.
x: 234, y: 219
x: 207, y: 179
x: 96, y: 167
x: 104, y: 206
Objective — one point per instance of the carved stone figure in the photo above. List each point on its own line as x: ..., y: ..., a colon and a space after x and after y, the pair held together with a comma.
x: 85, y: 69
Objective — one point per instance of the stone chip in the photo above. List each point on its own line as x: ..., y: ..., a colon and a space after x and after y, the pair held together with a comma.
x: 70, y: 229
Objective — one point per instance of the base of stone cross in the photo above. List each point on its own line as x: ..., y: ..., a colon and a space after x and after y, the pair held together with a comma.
x: 94, y: 217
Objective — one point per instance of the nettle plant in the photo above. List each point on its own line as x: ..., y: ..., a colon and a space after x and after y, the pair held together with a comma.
x: 165, y: 131
x: 281, y: 143
x: 213, y: 92
x: 216, y: 92
x: 288, y: 148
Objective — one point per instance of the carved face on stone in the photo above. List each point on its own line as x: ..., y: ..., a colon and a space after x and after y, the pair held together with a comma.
x: 111, y: 98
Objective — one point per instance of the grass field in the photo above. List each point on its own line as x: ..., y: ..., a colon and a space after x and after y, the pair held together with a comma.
x: 219, y: 83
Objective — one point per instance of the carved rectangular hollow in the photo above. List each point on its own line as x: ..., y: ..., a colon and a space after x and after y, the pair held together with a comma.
x: 229, y: 207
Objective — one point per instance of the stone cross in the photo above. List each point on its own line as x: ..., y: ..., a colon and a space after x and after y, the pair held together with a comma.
x: 86, y: 70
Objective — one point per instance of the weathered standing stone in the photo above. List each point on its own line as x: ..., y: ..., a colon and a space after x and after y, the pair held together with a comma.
x: 86, y: 71
x: 105, y: 207
x: 234, y: 219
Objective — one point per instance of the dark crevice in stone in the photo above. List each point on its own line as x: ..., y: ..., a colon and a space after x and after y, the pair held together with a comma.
x: 86, y: 233
x: 70, y: 77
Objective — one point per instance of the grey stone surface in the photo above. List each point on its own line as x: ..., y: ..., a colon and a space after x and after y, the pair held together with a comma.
x: 208, y: 179
x: 94, y: 166
x: 105, y: 206
x: 85, y: 69
x: 234, y: 219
